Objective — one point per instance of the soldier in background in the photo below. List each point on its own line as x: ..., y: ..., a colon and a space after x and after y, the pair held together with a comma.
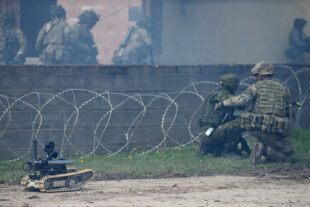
x: 298, y: 42
x: 13, y: 42
x: 52, y: 42
x: 84, y: 49
x: 137, y: 46
x: 3, y: 53
x: 268, y: 120
x: 220, y: 130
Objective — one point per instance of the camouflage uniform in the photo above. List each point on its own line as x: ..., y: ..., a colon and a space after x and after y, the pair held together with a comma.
x: 84, y: 49
x: 13, y: 42
x: 298, y: 42
x: 53, y: 40
x: 268, y: 120
x: 227, y: 131
x: 137, y: 46
x: 3, y: 54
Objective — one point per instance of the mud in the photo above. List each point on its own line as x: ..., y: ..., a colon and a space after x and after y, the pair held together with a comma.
x: 277, y: 187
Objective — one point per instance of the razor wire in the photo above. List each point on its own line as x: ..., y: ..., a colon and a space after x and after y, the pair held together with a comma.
x: 74, y: 104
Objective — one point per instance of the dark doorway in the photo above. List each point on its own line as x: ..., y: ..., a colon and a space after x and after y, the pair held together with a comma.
x: 33, y: 15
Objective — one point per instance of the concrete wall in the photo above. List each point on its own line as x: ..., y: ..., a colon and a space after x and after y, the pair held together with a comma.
x: 228, y: 32
x: 109, y: 109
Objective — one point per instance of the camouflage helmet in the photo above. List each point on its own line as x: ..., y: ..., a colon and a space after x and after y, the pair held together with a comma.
x: 89, y: 17
x: 230, y: 81
x: 58, y: 11
x: 262, y: 68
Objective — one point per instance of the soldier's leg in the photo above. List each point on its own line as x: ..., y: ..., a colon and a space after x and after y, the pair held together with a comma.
x: 258, y: 150
x: 276, y: 156
x: 204, y: 147
x: 228, y: 136
x: 279, y: 143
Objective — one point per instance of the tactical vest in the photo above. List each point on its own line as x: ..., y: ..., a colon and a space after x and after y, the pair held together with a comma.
x: 269, y: 109
x: 56, y: 35
x: 210, y: 117
x: 270, y: 98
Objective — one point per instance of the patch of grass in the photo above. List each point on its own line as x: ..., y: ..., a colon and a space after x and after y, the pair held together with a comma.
x: 301, y: 143
x: 11, y: 172
x: 181, y: 161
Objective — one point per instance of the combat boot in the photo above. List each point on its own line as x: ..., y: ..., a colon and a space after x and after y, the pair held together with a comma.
x: 257, y: 152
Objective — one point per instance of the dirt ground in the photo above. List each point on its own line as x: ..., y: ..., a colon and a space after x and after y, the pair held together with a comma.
x: 274, y: 188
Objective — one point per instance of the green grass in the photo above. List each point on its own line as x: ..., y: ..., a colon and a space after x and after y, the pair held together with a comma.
x: 181, y: 161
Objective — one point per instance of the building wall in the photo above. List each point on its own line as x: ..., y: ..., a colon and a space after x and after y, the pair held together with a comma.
x: 110, y: 109
x: 112, y: 26
x: 226, y: 31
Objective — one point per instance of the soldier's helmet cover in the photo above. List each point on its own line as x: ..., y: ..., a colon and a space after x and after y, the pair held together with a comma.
x: 262, y: 68
x: 58, y: 11
x: 89, y: 17
x: 230, y: 81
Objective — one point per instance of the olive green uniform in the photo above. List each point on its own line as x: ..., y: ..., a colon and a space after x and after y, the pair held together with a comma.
x: 137, y: 46
x: 53, y: 43
x: 84, y: 50
x: 227, y: 130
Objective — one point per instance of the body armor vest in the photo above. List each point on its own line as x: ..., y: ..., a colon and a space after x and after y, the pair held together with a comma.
x: 270, y: 98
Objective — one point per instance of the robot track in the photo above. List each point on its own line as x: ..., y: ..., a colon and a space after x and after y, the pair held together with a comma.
x: 58, y: 183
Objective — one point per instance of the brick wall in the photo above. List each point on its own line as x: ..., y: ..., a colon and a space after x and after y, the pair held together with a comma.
x: 112, y: 26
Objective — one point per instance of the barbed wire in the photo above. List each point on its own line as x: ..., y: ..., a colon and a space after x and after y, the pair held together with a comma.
x: 165, y: 109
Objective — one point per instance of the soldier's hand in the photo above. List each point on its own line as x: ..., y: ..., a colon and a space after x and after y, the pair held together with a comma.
x: 218, y: 106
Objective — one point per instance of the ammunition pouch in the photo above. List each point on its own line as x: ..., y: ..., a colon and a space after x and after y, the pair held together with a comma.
x: 265, y: 123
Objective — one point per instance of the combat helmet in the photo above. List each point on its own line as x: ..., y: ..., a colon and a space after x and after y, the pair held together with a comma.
x: 229, y: 81
x: 89, y: 17
x: 58, y: 11
x: 262, y: 68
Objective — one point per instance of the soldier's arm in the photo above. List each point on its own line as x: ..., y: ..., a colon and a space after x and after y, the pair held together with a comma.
x: 39, y: 42
x: 241, y: 100
x: 22, y: 42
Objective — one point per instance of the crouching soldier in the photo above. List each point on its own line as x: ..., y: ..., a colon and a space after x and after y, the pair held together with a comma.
x: 268, y: 120
x: 220, y: 132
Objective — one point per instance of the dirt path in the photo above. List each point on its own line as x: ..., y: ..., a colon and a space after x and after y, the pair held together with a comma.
x: 218, y: 190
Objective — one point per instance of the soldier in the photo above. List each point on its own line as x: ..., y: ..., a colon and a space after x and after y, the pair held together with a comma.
x: 84, y: 49
x: 299, y: 43
x: 137, y: 46
x: 3, y: 53
x: 268, y: 119
x: 15, y: 41
x: 220, y: 131
x: 52, y: 42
